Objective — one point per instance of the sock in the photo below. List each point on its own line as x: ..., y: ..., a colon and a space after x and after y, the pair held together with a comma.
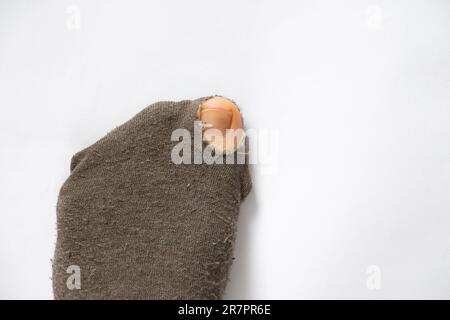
x: 132, y: 224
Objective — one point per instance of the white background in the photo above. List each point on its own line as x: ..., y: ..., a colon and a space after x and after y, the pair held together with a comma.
x: 355, y: 201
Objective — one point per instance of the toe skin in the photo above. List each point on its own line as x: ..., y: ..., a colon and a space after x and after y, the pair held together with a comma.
x: 222, y: 114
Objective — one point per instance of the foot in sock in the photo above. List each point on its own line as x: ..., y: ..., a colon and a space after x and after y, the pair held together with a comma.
x: 138, y: 226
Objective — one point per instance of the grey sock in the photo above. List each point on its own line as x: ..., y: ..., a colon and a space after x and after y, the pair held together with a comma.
x: 134, y: 225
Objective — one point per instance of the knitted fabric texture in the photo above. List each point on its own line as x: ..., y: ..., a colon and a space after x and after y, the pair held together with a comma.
x: 139, y: 226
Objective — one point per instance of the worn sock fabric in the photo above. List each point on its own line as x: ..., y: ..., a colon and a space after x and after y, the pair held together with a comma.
x: 135, y: 225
